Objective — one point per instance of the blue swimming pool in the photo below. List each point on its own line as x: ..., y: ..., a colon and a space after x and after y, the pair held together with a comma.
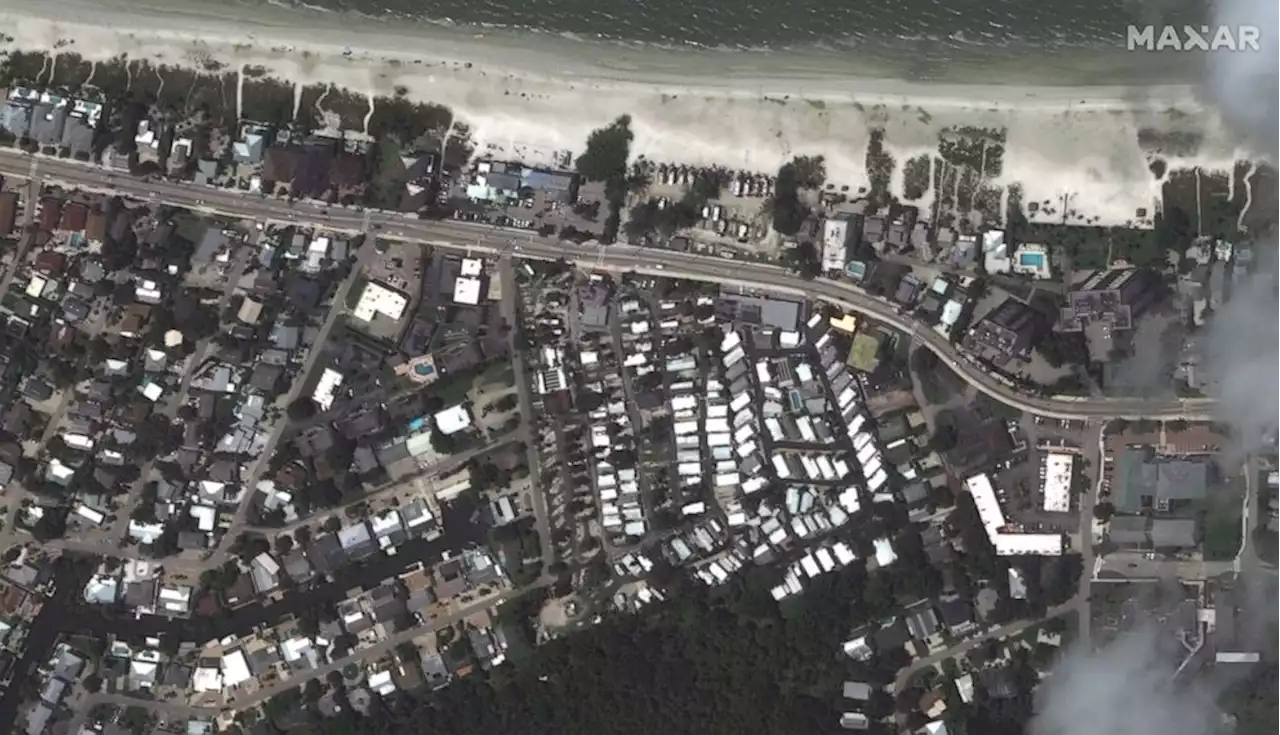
x: 1031, y: 260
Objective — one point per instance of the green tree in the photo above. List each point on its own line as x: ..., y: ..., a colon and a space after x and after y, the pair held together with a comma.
x: 944, y: 438
x: 301, y: 409
x: 607, y: 151
x: 788, y: 212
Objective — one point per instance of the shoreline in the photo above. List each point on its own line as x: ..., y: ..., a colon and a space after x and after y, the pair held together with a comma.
x: 817, y: 74
x: 743, y: 110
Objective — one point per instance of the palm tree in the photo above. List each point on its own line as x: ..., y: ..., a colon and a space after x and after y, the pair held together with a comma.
x: 639, y: 180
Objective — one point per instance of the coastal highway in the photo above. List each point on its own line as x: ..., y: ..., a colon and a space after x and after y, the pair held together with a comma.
x: 490, y: 239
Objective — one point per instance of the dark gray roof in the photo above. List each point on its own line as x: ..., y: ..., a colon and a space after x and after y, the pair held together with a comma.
x: 915, y: 492
x: 857, y: 690
x: 326, y: 553
x: 297, y: 566
x: 759, y: 311
x: 922, y: 622
x: 1147, y: 482
x: 191, y: 540
x: 1171, y: 532
x: 955, y: 613
x: 47, y: 123
x: 1128, y: 530
x: 77, y: 135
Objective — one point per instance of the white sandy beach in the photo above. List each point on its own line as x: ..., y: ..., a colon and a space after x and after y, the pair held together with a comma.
x: 533, y: 96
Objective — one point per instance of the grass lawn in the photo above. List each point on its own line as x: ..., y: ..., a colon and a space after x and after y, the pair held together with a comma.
x: 1222, y: 530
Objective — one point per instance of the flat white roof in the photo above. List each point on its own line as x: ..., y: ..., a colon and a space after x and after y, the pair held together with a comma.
x: 472, y: 266
x: 466, y: 291
x: 96, y: 517
x: 36, y: 286
x: 452, y: 419
x: 385, y: 523
x: 326, y: 388
x: 1037, y: 544
x: 984, y: 497
x: 885, y: 555
x: 381, y: 683
x: 993, y: 520
x: 206, y: 680
x: 1057, y: 481
x: 205, y: 515
x: 235, y: 670
x: 379, y: 299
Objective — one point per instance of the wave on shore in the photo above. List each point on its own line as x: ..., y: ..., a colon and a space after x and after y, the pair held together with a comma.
x: 744, y: 111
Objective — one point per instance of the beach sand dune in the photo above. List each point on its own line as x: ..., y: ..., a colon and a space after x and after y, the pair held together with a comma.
x: 536, y: 96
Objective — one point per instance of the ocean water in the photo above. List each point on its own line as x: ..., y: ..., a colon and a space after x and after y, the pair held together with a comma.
x: 903, y: 26
x: 1052, y: 42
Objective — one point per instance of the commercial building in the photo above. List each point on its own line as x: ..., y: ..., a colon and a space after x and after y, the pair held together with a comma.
x: 1149, y: 482
x: 452, y: 420
x: 837, y: 237
x: 1174, y: 533
x: 1114, y: 297
x: 1056, y: 484
x: 760, y: 311
x: 1006, y: 541
x: 1007, y: 332
x: 327, y: 388
x: 377, y: 298
x: 495, y: 181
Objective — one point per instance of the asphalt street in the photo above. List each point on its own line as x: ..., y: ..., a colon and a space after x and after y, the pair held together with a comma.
x: 487, y: 238
x: 619, y: 258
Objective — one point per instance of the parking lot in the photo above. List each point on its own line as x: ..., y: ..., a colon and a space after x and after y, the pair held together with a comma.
x: 1021, y: 478
x: 737, y: 217
x: 399, y: 265
x: 538, y: 211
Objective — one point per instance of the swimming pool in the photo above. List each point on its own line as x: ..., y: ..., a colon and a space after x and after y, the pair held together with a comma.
x: 1031, y: 260
x: 423, y: 369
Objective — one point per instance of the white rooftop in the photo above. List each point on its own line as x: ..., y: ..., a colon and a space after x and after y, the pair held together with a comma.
x: 379, y: 299
x: 1057, y: 481
x: 472, y: 267
x: 326, y: 388
x: 235, y: 670
x: 466, y: 291
x: 453, y: 419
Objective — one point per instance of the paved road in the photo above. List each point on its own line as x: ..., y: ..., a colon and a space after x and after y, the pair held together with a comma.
x: 301, y: 678
x: 31, y: 199
x: 336, y: 309
x: 1004, y: 631
x: 1093, y: 452
x: 484, y: 237
x: 179, y: 398
x: 1248, y: 563
x: 443, y: 467
x: 524, y: 389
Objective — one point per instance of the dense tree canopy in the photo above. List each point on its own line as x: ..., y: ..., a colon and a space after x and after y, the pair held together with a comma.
x: 788, y: 211
x: 734, y: 664
x: 607, y: 151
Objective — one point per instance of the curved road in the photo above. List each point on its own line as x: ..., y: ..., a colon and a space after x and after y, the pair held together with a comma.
x: 490, y: 239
